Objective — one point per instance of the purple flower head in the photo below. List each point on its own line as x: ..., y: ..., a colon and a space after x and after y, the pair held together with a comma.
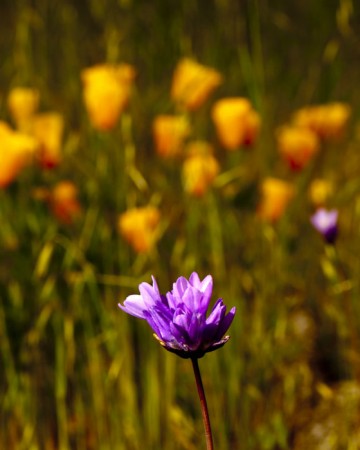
x: 179, y: 318
x: 326, y: 222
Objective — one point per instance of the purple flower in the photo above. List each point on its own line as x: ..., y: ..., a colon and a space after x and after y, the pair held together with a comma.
x: 179, y: 318
x: 326, y: 222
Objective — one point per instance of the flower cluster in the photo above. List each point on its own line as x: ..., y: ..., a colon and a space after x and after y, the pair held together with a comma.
x: 45, y: 127
x: 106, y: 92
x: 178, y: 318
x: 236, y: 125
x: 327, y: 121
x: 37, y: 138
x: 299, y: 141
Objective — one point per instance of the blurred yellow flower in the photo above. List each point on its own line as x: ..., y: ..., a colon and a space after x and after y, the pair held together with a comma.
x: 16, y: 151
x: 275, y: 196
x: 48, y: 128
x: 200, y: 168
x: 139, y: 227
x: 64, y: 202
x: 22, y: 103
x: 320, y: 190
x: 328, y: 121
x: 169, y: 134
x: 106, y: 93
x: 297, y: 145
x: 193, y: 83
x: 236, y: 122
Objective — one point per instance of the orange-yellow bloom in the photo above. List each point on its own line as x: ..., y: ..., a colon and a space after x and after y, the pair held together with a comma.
x: 64, y: 202
x: 48, y: 128
x: 297, y: 145
x: 16, y: 151
x: 200, y: 168
x: 169, y: 134
x: 22, y: 103
x: 193, y: 83
x: 328, y: 121
x: 139, y: 227
x: 236, y: 122
x: 106, y: 93
x: 275, y: 196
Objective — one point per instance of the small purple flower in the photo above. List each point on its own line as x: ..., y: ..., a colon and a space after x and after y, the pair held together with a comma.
x: 326, y: 222
x: 179, y: 318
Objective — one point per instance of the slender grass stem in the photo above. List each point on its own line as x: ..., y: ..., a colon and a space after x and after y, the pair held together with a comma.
x: 204, y: 408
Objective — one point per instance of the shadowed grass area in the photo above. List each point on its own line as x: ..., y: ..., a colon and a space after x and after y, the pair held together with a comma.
x: 76, y: 372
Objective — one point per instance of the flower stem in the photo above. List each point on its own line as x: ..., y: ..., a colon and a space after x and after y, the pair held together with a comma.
x: 204, y: 408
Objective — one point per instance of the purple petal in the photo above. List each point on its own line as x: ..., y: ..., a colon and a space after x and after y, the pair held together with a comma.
x: 325, y: 222
x: 150, y: 295
x: 218, y: 344
x: 154, y: 325
x: 181, y: 318
x: 179, y: 327
x: 171, y: 301
x: 155, y: 286
x: 330, y: 234
x: 159, y: 319
x: 323, y: 219
x: 225, y: 324
x: 213, y: 321
x: 179, y: 287
x: 194, y: 280
x: 204, y: 286
x: 157, y: 293
x: 193, y: 299
x: 217, y: 313
x: 134, y: 305
x: 196, y: 326
x: 190, y: 326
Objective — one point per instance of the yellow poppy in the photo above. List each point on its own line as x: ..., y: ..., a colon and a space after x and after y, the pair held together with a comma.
x: 139, y: 227
x: 106, y: 93
x: 236, y: 122
x: 275, y: 196
x: 193, y: 83
x: 169, y: 134
x: 200, y: 168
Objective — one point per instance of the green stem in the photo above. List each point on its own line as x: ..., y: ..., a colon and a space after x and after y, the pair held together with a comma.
x: 204, y: 408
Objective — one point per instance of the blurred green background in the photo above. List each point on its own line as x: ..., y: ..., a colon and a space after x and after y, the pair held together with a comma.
x: 75, y: 371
